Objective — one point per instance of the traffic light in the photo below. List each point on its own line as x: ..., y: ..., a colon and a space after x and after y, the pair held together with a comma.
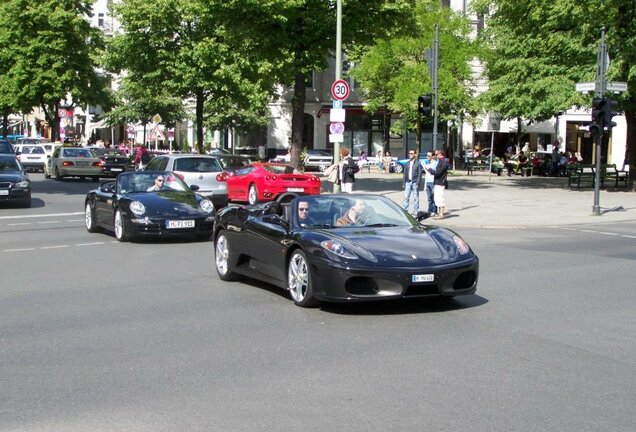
x: 424, y: 104
x: 608, y: 112
x: 596, y: 127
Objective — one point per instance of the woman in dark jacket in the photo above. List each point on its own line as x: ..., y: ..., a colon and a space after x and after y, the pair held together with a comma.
x: 347, y: 168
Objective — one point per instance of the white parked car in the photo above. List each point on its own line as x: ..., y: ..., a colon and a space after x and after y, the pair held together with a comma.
x: 204, y: 171
x: 31, y: 156
x: 317, y: 160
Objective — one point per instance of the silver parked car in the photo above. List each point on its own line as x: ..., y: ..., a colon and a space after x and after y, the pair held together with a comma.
x: 204, y: 171
x: 73, y: 162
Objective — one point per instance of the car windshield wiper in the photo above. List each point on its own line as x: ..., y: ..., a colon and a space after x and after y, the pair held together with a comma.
x: 375, y: 225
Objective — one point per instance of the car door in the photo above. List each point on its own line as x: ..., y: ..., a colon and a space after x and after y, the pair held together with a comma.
x: 238, y: 183
x: 52, y: 163
x: 266, y: 245
x: 104, y: 202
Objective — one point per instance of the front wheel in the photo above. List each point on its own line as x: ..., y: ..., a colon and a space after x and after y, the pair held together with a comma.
x: 120, y: 229
x: 399, y: 168
x: 222, y: 258
x: 252, y: 195
x: 89, y: 218
x: 299, y: 280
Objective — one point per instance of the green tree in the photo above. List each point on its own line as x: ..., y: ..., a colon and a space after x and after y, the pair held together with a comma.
x: 394, y: 72
x: 186, y: 49
x: 50, y: 49
x: 298, y: 36
x: 538, y: 50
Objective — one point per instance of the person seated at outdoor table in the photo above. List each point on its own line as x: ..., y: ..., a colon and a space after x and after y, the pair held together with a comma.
x: 352, y: 215
x: 508, y: 164
x: 535, y: 162
x: 523, y: 163
x: 158, y: 184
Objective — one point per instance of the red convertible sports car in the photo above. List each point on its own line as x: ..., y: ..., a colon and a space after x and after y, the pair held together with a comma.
x: 267, y: 181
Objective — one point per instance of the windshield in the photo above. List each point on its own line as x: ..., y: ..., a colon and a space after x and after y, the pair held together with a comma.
x: 77, y: 152
x: 197, y: 164
x: 9, y: 164
x: 355, y: 210
x: 150, y: 181
x: 279, y: 169
x: 33, y: 150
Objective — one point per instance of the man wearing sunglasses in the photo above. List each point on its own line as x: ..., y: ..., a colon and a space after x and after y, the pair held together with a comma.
x: 411, y: 182
x: 158, y: 184
x: 303, y: 213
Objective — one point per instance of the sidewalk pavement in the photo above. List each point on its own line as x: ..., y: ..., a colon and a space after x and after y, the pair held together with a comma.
x: 487, y: 201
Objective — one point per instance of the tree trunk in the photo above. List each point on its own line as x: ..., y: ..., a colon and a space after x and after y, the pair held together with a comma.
x: 298, y: 119
x: 199, y: 119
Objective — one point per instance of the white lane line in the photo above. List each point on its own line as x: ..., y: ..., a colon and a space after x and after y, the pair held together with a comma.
x: 47, y: 222
x: 75, y: 220
x: 20, y: 223
x: 628, y: 236
x: 608, y: 233
x: 54, y: 247
x: 41, y: 215
x: 89, y: 244
x: 18, y: 250
x: 588, y: 231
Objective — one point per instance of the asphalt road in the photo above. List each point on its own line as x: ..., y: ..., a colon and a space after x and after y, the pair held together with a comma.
x: 101, y: 336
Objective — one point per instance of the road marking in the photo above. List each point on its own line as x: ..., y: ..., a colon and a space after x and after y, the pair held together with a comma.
x: 628, y: 236
x: 41, y: 215
x: 75, y: 220
x: 608, y: 233
x: 89, y: 244
x: 19, y: 223
x: 18, y: 250
x: 47, y: 222
x: 54, y: 247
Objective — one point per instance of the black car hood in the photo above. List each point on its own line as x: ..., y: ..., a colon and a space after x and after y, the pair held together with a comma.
x: 400, y: 246
x: 12, y: 176
x: 168, y: 203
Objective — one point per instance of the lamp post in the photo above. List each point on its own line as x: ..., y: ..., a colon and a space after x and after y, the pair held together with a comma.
x: 336, y: 145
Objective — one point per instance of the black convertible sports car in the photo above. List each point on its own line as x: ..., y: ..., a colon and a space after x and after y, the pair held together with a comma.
x: 353, y: 247
x: 155, y: 203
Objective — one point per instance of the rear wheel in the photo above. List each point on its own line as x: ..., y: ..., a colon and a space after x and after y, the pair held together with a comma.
x: 222, y: 258
x: 89, y: 218
x: 47, y: 175
x: 399, y: 168
x: 299, y: 280
x: 252, y: 195
x: 120, y: 230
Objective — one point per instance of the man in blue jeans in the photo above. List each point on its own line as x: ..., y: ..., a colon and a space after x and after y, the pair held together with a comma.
x: 429, y: 182
x: 411, y: 182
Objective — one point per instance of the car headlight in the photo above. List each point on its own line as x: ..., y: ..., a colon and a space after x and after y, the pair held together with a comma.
x: 206, y: 205
x: 22, y: 184
x: 462, y: 246
x: 137, y: 208
x: 338, y: 249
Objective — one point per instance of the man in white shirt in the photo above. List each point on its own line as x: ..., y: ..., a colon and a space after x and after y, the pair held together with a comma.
x: 429, y: 182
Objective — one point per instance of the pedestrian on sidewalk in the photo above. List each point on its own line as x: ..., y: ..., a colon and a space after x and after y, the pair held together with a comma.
x: 347, y: 168
x: 440, y: 174
x: 429, y: 182
x: 411, y: 182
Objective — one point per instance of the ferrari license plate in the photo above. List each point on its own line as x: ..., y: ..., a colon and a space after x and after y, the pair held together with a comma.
x: 423, y: 278
x: 295, y: 189
x: 4, y: 192
x: 176, y: 224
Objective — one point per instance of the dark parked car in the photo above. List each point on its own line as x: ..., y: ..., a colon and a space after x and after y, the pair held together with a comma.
x: 6, y: 147
x: 149, y: 203
x: 348, y: 248
x: 15, y: 185
x: 114, y: 162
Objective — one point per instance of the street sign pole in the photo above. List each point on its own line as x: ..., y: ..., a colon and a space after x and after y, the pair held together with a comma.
x: 336, y: 145
x: 435, y: 76
x: 601, y: 83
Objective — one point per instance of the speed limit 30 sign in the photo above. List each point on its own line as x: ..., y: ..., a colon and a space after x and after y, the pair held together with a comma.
x: 340, y: 90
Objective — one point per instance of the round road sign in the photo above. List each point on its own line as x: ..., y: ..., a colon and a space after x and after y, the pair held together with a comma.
x: 336, y: 128
x: 340, y: 90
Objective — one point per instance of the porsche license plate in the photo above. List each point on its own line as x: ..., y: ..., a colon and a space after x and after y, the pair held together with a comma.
x: 295, y: 189
x: 176, y: 224
x: 423, y: 278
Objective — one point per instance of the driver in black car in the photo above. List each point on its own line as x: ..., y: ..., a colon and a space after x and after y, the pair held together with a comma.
x: 303, y: 213
x: 158, y: 184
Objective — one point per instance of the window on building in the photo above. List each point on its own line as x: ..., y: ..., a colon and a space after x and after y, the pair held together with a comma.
x: 100, y: 20
x: 446, y: 3
x: 480, y: 23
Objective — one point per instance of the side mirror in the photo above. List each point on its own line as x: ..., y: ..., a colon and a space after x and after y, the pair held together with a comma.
x: 194, y: 188
x: 108, y: 188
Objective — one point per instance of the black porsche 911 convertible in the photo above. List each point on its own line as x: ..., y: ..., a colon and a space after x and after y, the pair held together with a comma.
x: 342, y: 247
x: 149, y: 203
